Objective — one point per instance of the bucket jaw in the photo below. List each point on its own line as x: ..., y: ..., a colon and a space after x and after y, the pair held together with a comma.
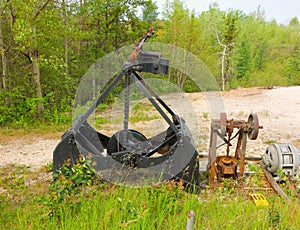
x: 135, y: 161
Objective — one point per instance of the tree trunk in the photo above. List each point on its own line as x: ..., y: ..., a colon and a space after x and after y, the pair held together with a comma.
x: 36, y: 73
x: 222, y: 62
x: 223, y: 67
x: 4, y: 82
x: 98, y: 40
x: 35, y: 58
x: 66, y: 42
x: 37, y: 78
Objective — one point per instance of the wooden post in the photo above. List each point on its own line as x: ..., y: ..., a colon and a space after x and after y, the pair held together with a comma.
x: 190, y: 220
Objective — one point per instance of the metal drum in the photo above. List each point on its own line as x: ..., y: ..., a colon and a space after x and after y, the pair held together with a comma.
x: 282, y: 156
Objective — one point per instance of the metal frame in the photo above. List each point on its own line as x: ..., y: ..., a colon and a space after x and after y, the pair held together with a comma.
x: 221, y: 128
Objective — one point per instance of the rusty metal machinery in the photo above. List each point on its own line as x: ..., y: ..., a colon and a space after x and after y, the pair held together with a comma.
x: 224, y: 166
x: 282, y: 156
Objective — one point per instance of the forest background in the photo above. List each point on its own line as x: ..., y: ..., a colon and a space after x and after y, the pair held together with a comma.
x: 47, y: 46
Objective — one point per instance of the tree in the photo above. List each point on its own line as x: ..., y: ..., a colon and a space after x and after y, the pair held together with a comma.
x: 64, y: 5
x: 224, y: 62
x: 224, y: 26
x: 179, y: 28
x: 47, y: 46
x: 25, y: 28
x: 4, y: 82
x: 112, y: 24
x: 244, y: 63
x: 292, y: 67
x: 294, y: 22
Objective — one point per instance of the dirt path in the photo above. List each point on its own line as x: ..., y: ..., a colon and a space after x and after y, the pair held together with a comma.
x: 278, y: 110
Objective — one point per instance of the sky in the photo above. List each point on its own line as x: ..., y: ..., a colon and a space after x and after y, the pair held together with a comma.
x: 280, y: 10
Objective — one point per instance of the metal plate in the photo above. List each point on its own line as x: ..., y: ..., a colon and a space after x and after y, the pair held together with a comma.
x: 259, y: 199
x: 223, y: 122
x: 254, y: 126
x: 116, y: 142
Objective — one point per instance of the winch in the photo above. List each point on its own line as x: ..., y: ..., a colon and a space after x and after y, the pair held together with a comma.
x: 282, y: 156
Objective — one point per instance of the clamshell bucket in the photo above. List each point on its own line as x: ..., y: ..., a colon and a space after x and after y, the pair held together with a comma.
x: 127, y: 157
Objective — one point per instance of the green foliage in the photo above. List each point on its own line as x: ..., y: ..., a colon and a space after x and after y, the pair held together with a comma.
x: 101, y: 120
x: 143, y: 112
x: 102, y: 107
x: 282, y: 175
x: 49, y: 167
x: 68, y: 184
x: 13, y: 178
x: 163, y: 206
x: 256, y: 178
x: 243, y: 66
x: 228, y: 186
x: 294, y: 22
x: 160, y: 207
x: 274, y: 217
x: 291, y: 68
x: 142, y: 106
x: 270, y: 142
x: 64, y: 38
x: 190, y: 86
x: 205, y: 115
x: 297, y: 182
x: 22, y: 111
x: 258, y: 53
x: 70, y: 180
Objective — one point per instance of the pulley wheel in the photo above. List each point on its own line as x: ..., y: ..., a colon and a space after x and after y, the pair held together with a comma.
x: 118, y: 143
x: 254, y: 126
x: 223, y: 123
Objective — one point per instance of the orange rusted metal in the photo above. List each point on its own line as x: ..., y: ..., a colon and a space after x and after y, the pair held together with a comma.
x: 226, y: 165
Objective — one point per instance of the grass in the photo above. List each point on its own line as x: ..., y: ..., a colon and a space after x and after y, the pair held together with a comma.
x: 241, y: 113
x: 106, y: 206
x: 265, y: 113
x: 205, y: 115
x: 141, y: 116
x: 143, y: 111
x: 101, y: 120
x: 270, y: 142
x: 46, y: 131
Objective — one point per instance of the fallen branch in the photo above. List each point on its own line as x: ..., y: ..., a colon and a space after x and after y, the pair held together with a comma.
x: 273, y: 183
